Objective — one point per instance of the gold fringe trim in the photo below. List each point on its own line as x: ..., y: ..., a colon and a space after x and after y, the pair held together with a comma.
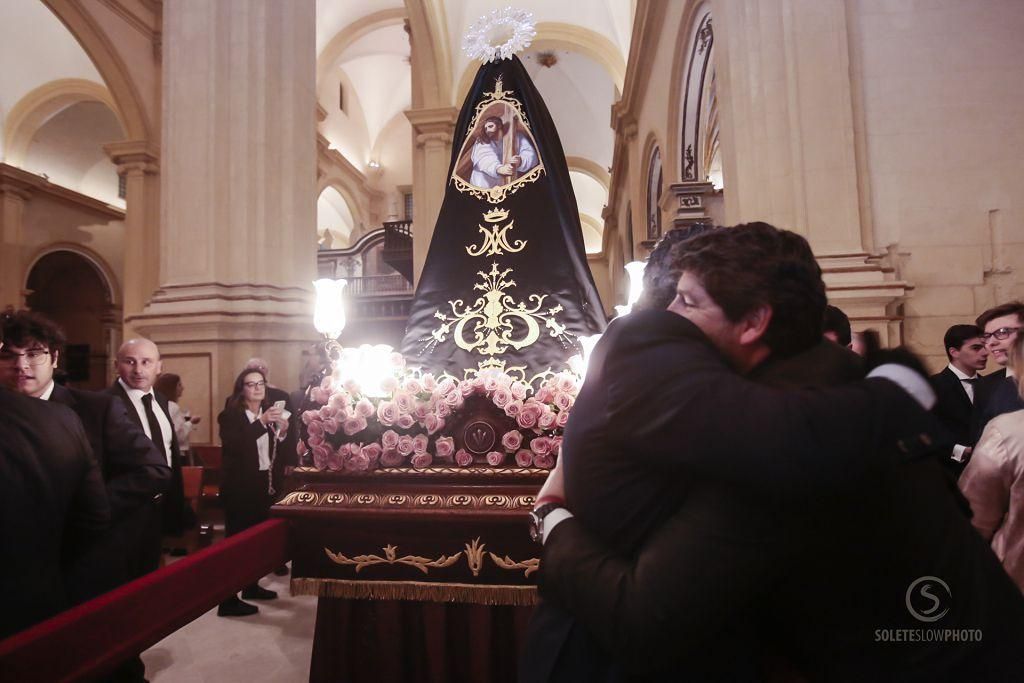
x: 420, y: 591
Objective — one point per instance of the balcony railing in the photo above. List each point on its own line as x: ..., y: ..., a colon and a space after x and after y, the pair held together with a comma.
x: 378, y: 285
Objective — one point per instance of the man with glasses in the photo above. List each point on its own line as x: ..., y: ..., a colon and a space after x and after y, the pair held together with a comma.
x: 52, y: 502
x: 132, y: 468
x: 997, y: 393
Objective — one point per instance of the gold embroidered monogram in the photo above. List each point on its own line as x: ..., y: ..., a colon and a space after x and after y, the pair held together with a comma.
x: 495, y: 242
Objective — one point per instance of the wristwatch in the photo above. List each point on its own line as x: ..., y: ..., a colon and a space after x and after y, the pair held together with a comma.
x: 537, y: 516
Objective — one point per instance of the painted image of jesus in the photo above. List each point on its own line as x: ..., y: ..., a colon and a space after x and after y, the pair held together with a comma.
x: 496, y: 156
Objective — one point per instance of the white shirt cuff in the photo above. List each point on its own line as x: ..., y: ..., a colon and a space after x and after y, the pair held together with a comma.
x: 908, y: 380
x: 553, y: 519
x: 958, y: 452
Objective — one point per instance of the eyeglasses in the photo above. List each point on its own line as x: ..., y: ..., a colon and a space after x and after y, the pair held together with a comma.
x: 33, y: 356
x: 1001, y: 334
x: 253, y: 385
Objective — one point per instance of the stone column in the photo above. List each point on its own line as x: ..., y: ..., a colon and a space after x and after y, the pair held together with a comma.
x: 432, y: 131
x: 138, y: 162
x: 238, y: 191
x: 787, y: 119
x: 12, y: 267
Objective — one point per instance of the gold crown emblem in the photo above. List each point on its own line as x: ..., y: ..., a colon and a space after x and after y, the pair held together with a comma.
x: 496, y: 215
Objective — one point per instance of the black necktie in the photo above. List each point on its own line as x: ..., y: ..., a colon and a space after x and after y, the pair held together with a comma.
x: 154, y: 427
x: 971, y: 380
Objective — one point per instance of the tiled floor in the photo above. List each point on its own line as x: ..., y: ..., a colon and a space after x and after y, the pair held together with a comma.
x: 273, y: 645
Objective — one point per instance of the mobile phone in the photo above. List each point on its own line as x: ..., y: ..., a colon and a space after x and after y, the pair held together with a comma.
x: 279, y: 404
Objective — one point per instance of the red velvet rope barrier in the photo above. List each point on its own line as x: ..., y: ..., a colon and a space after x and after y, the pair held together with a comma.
x: 90, y: 640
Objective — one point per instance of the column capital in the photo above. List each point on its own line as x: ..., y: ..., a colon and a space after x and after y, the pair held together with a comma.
x: 437, y: 120
x: 14, y: 182
x: 687, y: 201
x: 133, y: 155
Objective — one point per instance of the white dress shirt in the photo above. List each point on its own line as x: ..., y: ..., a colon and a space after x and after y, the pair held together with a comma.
x: 47, y: 392
x: 135, y: 395
x: 262, y: 443
x: 959, y: 450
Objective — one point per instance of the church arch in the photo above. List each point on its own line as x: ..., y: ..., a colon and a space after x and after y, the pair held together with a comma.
x: 42, y: 103
x: 353, y: 32
x: 693, y: 133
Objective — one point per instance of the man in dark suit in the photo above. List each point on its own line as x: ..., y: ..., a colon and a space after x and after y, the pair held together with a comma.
x: 52, y: 504
x: 138, y: 364
x: 996, y: 393
x: 954, y: 390
x: 133, y: 471
x: 644, y: 449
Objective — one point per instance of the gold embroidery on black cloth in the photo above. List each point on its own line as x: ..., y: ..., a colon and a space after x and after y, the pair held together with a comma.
x: 391, y: 557
x: 495, y: 243
x: 499, y: 154
x: 475, y: 555
x: 531, y: 565
x: 496, y: 322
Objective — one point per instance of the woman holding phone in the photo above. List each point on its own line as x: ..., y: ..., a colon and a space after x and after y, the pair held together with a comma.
x: 251, y: 432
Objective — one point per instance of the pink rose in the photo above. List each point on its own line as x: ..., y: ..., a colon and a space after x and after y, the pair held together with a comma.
x: 335, y: 460
x: 391, y: 458
x: 316, y: 428
x: 387, y: 413
x: 514, y: 408
x: 433, y: 424
x: 315, y: 440
x: 463, y: 458
x: 512, y: 440
x: 372, y: 452
x: 566, y: 383
x: 406, y: 421
x: 446, y: 386
x: 524, y: 457
x: 495, y: 458
x: 547, y: 419
x: 327, y: 412
x: 421, y: 460
x: 331, y: 425
x: 445, y: 447
x: 327, y: 382
x: 420, y: 443
x: 318, y: 395
x: 413, y: 385
x: 405, y: 446
x: 320, y: 454
x: 443, y: 409
x: 354, y: 425
x: 351, y: 386
x: 544, y: 461
x: 389, y: 440
x: 563, y: 419
x: 339, y: 400
x: 529, y: 415
x: 519, y: 390
x: 364, y: 408
x: 501, y: 397
x: 397, y: 360
x: 540, y: 445
x: 389, y: 384
x: 429, y: 383
x: 405, y: 401
x: 563, y: 401
x: 357, y: 463
x: 467, y: 387
x: 308, y: 416
x: 454, y: 399
x: 544, y: 395
x: 491, y: 383
x: 421, y: 411
x: 556, y: 445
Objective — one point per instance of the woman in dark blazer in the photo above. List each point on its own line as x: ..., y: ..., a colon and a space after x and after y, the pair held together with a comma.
x: 251, y: 432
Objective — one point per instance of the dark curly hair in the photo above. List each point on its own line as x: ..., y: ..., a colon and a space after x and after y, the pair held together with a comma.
x: 659, y: 277
x: 756, y: 264
x: 20, y: 328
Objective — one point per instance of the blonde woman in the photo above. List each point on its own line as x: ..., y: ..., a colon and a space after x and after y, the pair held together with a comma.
x: 993, y: 480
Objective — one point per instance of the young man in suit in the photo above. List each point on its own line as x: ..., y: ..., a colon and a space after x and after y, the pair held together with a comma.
x: 53, y: 504
x: 996, y: 393
x: 132, y: 468
x: 821, y: 575
x: 954, y: 389
x: 138, y: 364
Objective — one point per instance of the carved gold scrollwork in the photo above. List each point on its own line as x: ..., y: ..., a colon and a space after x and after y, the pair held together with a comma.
x: 366, y: 499
x: 475, y: 555
x: 397, y: 499
x: 424, y: 564
x: 334, y: 498
x: 531, y: 565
